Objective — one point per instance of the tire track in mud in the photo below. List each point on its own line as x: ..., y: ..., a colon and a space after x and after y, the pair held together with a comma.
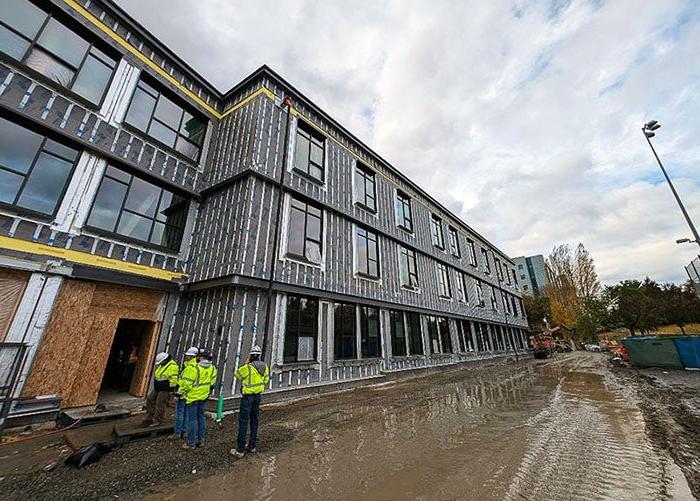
x: 589, y: 443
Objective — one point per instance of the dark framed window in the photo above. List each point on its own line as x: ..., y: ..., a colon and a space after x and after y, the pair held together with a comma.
x: 433, y: 334
x: 309, y: 155
x: 436, y: 232
x: 465, y: 335
x: 480, y: 294
x: 494, y: 302
x: 415, y: 333
x: 444, y: 281
x: 365, y: 188
x: 36, y: 38
x: 370, y: 343
x: 462, y: 287
x: 515, y: 277
x: 367, y: 252
x: 472, y: 252
x: 398, y: 333
x: 515, y: 306
x: 404, y: 216
x: 487, y: 265
x: 160, y: 117
x: 345, y: 346
x: 499, y: 269
x: 506, y: 302
x: 508, y: 276
x: 408, y: 270
x: 305, y: 231
x: 445, y: 338
x: 454, y: 242
x: 34, y: 170
x: 138, y: 210
x: 301, y: 329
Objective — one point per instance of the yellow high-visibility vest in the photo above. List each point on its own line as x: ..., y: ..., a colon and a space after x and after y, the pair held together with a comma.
x: 252, y: 381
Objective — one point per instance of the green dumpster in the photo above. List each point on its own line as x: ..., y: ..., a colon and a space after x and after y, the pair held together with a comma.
x: 652, y: 351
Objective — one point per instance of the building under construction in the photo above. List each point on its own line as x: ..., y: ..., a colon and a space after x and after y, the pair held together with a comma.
x: 141, y: 209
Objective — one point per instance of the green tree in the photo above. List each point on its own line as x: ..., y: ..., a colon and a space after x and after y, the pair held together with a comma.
x: 679, y: 305
x: 633, y: 305
x: 537, y: 309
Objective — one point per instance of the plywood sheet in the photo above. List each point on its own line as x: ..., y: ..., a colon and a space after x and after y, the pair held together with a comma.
x: 139, y: 383
x: 78, y: 338
x: 12, y: 285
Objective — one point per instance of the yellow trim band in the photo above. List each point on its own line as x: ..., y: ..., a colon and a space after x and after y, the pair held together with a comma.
x: 18, y: 245
x: 141, y: 57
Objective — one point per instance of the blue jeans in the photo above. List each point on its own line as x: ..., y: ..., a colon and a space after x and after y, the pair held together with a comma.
x: 180, y: 421
x: 196, y: 425
x: 249, y: 412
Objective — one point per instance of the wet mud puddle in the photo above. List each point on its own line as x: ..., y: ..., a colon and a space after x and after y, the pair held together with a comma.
x: 549, y: 430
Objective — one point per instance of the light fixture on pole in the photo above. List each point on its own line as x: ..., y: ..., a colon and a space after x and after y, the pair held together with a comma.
x: 648, y: 131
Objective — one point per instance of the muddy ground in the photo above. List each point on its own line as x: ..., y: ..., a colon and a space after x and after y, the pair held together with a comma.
x: 567, y: 428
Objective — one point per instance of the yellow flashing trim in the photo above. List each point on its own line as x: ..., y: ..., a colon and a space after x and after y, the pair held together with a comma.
x: 18, y: 245
x: 262, y: 90
x: 141, y: 57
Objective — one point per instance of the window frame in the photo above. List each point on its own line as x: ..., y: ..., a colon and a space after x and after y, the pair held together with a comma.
x: 445, y: 336
x: 364, y: 174
x: 13, y: 207
x: 404, y: 201
x: 296, y: 336
x: 338, y: 336
x: 453, y: 238
x: 480, y: 301
x: 154, y: 220
x: 306, y: 128
x: 363, y: 327
x: 368, y: 240
x: 437, y: 235
x: 70, y: 25
x: 472, y: 252
x: 462, y: 287
x: 414, y: 333
x: 398, y: 341
x: 303, y: 258
x: 485, y: 255
x: 186, y: 108
x: 444, y: 286
x: 405, y: 256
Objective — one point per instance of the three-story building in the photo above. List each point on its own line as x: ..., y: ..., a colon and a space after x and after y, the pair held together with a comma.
x: 141, y: 209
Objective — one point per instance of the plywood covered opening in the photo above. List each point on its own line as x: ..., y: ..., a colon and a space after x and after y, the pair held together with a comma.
x: 75, y: 350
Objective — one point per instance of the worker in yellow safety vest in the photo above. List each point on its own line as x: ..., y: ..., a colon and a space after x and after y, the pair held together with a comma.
x: 190, y: 358
x: 195, y: 386
x: 254, y: 376
x: 164, y: 383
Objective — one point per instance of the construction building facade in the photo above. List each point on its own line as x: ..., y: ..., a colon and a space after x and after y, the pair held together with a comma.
x: 142, y: 210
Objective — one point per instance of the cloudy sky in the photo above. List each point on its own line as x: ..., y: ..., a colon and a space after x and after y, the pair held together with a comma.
x: 521, y: 116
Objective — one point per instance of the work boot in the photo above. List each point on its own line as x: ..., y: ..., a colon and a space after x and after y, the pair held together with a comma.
x: 186, y: 446
x: 248, y: 448
x: 236, y: 454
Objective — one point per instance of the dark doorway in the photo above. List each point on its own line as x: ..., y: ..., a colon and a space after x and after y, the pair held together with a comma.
x: 124, y: 356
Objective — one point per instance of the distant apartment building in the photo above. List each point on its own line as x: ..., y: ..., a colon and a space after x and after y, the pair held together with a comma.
x: 142, y: 209
x: 532, y: 274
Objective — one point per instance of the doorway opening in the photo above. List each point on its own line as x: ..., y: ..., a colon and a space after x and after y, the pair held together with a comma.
x: 127, y: 358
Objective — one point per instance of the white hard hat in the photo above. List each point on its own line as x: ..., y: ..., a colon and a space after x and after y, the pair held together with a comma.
x: 161, y: 357
x: 256, y: 350
x: 192, y: 352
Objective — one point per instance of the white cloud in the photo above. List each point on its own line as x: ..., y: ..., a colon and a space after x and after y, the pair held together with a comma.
x: 523, y: 117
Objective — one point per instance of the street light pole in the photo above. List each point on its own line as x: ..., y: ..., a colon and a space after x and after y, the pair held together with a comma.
x: 648, y: 131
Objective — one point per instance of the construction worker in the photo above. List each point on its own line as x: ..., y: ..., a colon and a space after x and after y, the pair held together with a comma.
x: 197, y: 380
x: 254, y: 376
x: 164, y: 383
x: 190, y: 358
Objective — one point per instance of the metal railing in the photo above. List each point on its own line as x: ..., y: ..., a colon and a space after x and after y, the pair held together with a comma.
x: 11, y: 361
